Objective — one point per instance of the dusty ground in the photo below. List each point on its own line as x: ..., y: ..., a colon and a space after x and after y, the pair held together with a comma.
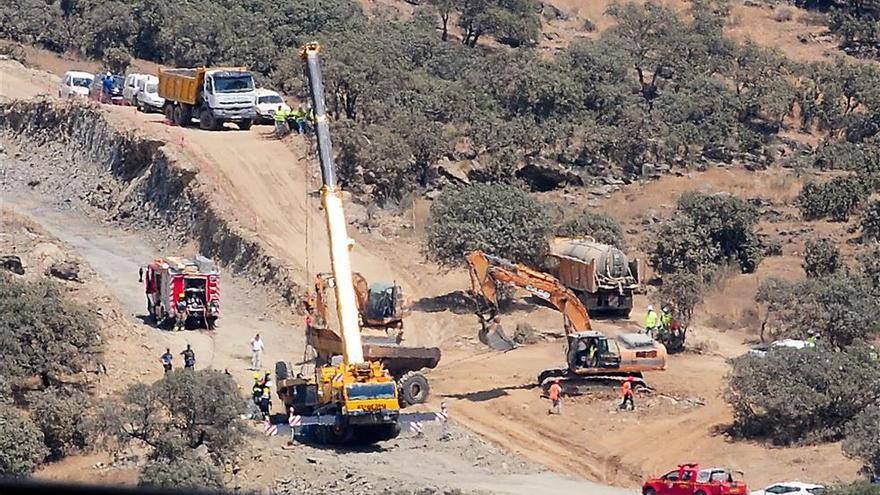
x: 265, y: 184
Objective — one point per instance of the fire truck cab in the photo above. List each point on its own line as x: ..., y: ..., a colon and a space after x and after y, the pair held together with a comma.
x: 198, y: 279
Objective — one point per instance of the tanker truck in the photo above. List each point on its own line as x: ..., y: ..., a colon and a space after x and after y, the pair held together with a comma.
x: 212, y: 95
x: 602, y: 276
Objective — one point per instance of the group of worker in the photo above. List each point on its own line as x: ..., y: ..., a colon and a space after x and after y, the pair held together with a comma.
x: 286, y: 121
x: 627, y: 389
x: 189, y: 359
x: 658, y: 325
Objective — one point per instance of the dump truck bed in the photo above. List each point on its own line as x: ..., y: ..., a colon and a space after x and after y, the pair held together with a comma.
x: 182, y: 85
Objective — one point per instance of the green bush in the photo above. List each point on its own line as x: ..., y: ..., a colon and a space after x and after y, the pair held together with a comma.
x: 683, y: 291
x: 821, y: 258
x: 499, y: 219
x: 43, y: 334
x: 599, y: 226
x: 776, y: 397
x: 707, y: 231
x: 182, y: 411
x: 65, y: 418
x: 837, y: 199
x: 21, y: 443
x: 857, y: 488
x: 181, y: 473
x: 863, y: 438
x: 838, y: 307
x: 870, y: 222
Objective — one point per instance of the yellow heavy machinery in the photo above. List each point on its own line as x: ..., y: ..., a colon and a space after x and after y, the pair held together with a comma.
x: 590, y: 356
x: 349, y: 399
x: 382, y: 308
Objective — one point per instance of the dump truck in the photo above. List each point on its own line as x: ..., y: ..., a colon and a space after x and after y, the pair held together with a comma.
x: 590, y: 356
x: 351, y: 398
x: 602, y: 276
x: 196, y: 278
x: 211, y: 95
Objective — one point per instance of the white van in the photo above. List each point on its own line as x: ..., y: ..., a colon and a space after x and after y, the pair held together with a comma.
x: 129, y: 88
x: 267, y: 102
x: 147, y: 97
x: 75, y: 84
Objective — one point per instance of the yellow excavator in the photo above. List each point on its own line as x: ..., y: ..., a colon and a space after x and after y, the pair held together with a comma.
x: 590, y: 356
x: 349, y: 399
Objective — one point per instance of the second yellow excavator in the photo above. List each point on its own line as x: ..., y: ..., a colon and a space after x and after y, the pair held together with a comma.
x: 590, y: 356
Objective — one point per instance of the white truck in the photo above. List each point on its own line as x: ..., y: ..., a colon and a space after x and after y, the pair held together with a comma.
x: 211, y: 95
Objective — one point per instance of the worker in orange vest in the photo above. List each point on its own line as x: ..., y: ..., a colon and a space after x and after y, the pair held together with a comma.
x: 555, y: 394
x: 627, y: 390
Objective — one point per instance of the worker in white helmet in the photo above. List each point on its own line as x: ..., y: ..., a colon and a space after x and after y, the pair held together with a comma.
x: 650, y: 321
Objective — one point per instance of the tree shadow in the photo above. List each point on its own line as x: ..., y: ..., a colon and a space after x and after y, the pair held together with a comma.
x: 461, y: 303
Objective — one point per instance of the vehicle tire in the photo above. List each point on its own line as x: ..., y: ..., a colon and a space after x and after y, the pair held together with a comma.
x: 623, y: 312
x: 245, y: 124
x: 414, y: 388
x: 701, y: 492
x: 169, y: 113
x: 281, y: 371
x: 177, y: 116
x: 206, y: 121
x: 185, y: 115
x: 649, y: 491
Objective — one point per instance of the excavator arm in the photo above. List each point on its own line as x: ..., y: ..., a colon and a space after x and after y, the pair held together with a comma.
x: 488, y: 271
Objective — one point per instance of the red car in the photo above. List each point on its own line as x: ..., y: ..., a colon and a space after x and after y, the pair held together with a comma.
x: 689, y: 479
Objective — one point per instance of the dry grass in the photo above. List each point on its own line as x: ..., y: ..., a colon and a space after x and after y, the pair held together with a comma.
x: 783, y: 14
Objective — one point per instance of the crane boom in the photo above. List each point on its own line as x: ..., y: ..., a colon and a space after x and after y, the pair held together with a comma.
x: 340, y: 243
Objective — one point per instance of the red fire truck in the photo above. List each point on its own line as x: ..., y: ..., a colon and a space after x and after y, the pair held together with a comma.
x: 198, y: 279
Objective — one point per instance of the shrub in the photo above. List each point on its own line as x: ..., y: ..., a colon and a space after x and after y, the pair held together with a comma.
x: 181, y: 473
x: 42, y: 333
x: 707, y: 231
x: 500, y: 219
x: 684, y: 291
x: 21, y: 444
x: 838, y: 307
x: 117, y: 60
x: 64, y: 418
x: 599, y: 226
x: 863, y: 438
x: 783, y: 15
x: 870, y: 222
x: 776, y: 397
x: 182, y: 411
x: 821, y: 258
x: 837, y: 199
x: 870, y: 267
x: 857, y: 488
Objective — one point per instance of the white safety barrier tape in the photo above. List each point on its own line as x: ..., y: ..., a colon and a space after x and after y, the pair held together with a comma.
x: 416, y: 427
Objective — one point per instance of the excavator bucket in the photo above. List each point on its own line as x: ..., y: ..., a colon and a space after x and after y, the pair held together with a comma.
x: 493, y: 336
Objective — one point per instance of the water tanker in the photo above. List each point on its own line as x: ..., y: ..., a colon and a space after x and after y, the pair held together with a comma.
x: 602, y: 276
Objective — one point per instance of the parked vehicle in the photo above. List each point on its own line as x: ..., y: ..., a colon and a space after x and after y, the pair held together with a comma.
x: 99, y: 91
x: 267, y: 103
x: 762, y: 349
x: 212, y: 95
x: 690, y: 479
x: 793, y: 488
x: 75, y: 84
x: 147, y: 98
x: 198, y: 279
x: 130, y: 87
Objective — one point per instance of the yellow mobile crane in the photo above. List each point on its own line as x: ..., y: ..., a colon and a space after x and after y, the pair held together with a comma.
x: 352, y: 400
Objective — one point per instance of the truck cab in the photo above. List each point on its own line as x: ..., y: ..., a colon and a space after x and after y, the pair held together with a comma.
x: 230, y: 95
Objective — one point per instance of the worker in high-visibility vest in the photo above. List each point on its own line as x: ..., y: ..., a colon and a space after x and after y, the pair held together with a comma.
x: 555, y: 394
x: 626, y: 389
x: 280, y: 122
x: 650, y: 321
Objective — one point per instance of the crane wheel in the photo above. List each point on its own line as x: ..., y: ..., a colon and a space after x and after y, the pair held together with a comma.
x: 649, y: 491
x: 414, y: 388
